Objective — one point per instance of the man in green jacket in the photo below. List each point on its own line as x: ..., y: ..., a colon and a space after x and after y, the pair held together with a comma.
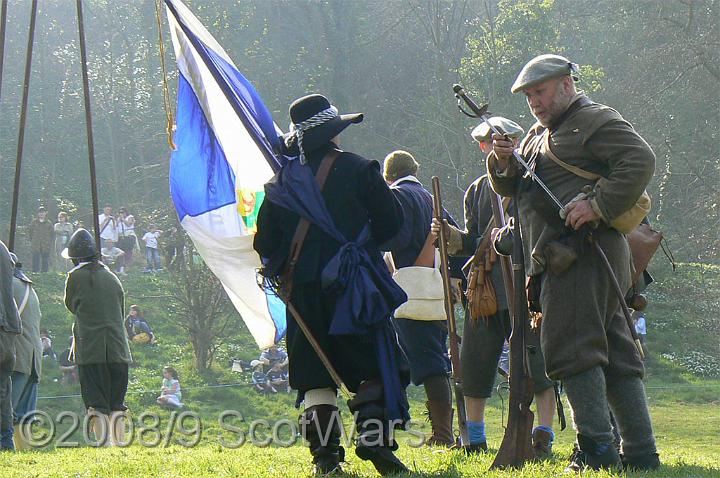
x: 95, y: 296
x: 28, y: 353
x: 585, y: 339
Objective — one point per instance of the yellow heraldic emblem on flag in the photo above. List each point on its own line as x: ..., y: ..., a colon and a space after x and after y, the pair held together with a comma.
x: 248, y: 203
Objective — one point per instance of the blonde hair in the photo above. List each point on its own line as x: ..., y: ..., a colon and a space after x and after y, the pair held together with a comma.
x: 399, y: 164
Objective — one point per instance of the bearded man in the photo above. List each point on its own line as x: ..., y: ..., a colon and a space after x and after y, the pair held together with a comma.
x: 584, y: 336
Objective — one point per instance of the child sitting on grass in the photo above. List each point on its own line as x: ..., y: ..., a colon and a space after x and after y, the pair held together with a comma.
x: 170, y: 394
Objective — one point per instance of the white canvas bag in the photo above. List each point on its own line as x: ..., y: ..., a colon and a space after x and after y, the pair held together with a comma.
x: 424, y: 288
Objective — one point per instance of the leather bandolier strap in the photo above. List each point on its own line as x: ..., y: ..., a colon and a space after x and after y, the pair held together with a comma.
x: 304, y: 226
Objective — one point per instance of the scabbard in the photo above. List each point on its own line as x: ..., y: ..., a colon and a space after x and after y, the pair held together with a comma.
x: 620, y: 295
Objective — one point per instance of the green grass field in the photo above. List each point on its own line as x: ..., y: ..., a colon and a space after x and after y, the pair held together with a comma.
x: 687, y: 438
x: 683, y: 387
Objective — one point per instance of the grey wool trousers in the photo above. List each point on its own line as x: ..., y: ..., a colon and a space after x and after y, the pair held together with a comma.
x: 590, y: 392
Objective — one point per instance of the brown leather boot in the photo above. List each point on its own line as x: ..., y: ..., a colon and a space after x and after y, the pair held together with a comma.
x: 542, y: 444
x: 441, y: 420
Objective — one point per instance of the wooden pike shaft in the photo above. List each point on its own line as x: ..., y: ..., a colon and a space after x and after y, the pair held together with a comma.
x: 318, y: 350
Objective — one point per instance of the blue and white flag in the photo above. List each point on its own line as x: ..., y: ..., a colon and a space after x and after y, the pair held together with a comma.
x: 225, y: 140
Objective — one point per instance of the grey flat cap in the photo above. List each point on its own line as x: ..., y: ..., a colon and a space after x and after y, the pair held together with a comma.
x: 482, y: 131
x: 542, y: 68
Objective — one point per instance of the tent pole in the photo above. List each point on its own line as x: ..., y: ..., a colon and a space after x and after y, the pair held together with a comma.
x: 23, y: 118
x: 88, y: 124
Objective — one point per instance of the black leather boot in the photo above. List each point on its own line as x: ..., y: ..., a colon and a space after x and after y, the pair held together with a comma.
x: 320, y: 426
x: 374, y: 440
x: 590, y: 454
x: 641, y: 462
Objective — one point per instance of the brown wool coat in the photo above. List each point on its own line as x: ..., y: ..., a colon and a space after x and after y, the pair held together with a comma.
x: 583, y: 325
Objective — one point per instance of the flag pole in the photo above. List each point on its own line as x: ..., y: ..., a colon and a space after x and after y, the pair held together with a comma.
x: 88, y: 124
x: 23, y: 119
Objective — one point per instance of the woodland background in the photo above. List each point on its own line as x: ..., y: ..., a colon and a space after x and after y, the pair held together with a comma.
x: 656, y: 61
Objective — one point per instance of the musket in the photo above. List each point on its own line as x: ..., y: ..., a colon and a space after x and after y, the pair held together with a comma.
x: 516, y: 447
x: 481, y: 113
x: 450, y: 314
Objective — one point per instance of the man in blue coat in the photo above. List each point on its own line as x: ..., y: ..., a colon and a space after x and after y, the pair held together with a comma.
x: 423, y: 341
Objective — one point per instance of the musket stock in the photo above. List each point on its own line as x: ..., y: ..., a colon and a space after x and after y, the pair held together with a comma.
x: 516, y: 447
x: 450, y: 313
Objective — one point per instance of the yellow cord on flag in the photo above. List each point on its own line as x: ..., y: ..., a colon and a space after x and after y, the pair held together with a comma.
x: 166, y: 91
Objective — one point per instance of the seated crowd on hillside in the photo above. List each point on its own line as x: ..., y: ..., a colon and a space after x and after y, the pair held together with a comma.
x: 269, y: 372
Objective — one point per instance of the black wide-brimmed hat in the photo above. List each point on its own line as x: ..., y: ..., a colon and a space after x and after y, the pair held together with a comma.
x: 314, y: 122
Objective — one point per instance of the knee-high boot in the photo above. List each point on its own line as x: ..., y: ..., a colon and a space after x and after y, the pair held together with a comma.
x: 320, y: 426
x: 440, y: 411
x: 375, y: 440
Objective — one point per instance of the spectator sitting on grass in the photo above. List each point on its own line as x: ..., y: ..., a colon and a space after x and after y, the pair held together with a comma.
x: 46, y: 341
x: 138, y: 330
x: 275, y: 360
x: 170, y: 394
x: 278, y: 379
x: 113, y: 256
x: 260, y: 381
x: 274, y: 357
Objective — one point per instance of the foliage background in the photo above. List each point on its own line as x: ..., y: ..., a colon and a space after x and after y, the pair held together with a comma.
x: 655, y: 61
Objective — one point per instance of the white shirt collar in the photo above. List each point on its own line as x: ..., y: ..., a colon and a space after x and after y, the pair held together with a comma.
x: 410, y: 178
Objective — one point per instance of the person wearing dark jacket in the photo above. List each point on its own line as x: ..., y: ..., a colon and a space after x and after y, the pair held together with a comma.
x: 424, y: 341
x: 364, y: 213
x: 41, y: 240
x: 96, y: 298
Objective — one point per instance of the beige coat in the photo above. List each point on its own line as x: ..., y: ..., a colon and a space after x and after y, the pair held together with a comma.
x: 28, y: 347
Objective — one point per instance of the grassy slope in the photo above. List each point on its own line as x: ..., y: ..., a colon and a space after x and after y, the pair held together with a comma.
x: 684, y: 405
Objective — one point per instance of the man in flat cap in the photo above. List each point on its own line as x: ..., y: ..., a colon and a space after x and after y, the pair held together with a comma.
x: 585, y: 338
x: 483, y: 337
